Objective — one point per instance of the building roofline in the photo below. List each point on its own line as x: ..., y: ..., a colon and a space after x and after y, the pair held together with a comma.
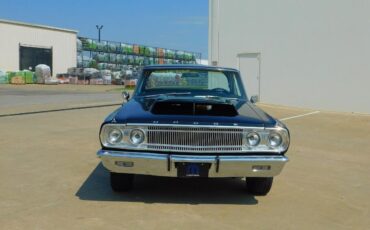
x: 37, y: 26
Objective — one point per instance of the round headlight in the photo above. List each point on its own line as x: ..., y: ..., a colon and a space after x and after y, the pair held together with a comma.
x: 275, y: 139
x: 253, y: 139
x: 137, y: 136
x: 114, y: 136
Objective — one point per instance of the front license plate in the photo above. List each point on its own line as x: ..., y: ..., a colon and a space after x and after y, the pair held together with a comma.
x: 192, y: 169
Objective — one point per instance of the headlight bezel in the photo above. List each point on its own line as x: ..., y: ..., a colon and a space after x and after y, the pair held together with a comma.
x: 125, y: 142
x: 264, y: 145
x: 137, y: 130
x: 271, y: 136
x: 285, y: 138
x: 117, y: 139
x: 253, y: 133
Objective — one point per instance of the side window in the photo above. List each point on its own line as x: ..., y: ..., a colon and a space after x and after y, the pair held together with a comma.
x: 236, y: 86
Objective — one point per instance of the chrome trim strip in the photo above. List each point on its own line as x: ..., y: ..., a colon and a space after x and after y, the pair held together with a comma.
x: 203, y: 152
x: 184, y: 158
x: 197, y: 126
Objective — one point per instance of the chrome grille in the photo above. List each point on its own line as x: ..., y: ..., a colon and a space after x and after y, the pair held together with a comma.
x: 194, y: 139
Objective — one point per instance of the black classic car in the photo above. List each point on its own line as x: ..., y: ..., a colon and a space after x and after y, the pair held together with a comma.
x: 192, y: 121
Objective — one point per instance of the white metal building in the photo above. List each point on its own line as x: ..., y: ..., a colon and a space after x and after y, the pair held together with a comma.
x: 23, y: 46
x: 307, y: 53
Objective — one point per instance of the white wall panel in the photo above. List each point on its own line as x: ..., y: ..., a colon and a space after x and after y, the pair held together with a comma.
x: 314, y: 53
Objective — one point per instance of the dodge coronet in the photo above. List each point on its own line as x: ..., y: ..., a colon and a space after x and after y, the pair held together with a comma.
x: 192, y: 121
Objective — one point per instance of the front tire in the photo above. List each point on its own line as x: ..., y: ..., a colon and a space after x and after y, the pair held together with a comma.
x: 121, y: 182
x: 259, y: 186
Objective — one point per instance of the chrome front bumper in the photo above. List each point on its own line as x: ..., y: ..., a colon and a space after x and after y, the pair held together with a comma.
x: 155, y: 164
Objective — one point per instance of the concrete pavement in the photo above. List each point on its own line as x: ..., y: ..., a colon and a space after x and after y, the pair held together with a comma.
x: 51, y: 179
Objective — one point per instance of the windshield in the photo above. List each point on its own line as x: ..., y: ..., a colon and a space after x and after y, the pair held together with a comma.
x: 197, y: 83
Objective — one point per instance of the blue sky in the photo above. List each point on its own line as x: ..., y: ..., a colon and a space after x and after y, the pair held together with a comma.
x: 176, y: 24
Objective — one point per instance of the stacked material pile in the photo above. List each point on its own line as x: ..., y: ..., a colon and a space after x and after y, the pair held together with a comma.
x: 117, y: 78
x: 42, y: 72
x: 112, y: 47
x: 79, y: 44
x: 102, y: 46
x: 96, y: 81
x: 160, y: 52
x: 73, y: 80
x: 17, y: 79
x: 21, y: 77
x: 130, y: 82
x: 43, y: 75
x: 89, y: 74
x: 106, y: 76
x: 3, y: 78
x: 29, y: 77
x: 63, y: 78
x: 126, y: 48
x: 116, y: 56
x: 73, y: 74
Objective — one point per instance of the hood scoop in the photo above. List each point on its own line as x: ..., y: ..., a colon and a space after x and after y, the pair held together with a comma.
x: 193, y: 108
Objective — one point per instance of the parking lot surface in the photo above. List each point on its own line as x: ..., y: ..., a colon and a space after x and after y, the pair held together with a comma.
x: 28, y: 98
x: 51, y: 178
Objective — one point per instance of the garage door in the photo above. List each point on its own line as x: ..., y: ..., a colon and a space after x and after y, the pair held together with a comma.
x: 30, y: 57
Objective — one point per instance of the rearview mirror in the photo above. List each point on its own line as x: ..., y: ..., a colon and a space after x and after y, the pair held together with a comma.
x: 254, y: 99
x: 125, y: 96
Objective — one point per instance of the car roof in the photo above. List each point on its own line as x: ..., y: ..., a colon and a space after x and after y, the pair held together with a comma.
x: 187, y: 66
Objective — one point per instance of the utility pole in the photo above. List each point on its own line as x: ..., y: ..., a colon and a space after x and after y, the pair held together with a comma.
x: 99, y: 29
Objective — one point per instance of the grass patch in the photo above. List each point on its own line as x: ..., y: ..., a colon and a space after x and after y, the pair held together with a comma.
x: 121, y: 89
x: 130, y: 87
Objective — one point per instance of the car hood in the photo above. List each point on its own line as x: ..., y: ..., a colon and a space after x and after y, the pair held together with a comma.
x: 140, y: 110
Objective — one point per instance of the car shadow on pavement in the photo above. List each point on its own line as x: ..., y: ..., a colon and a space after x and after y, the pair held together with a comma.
x: 150, y: 189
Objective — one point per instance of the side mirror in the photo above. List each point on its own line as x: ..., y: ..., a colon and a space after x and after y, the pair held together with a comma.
x: 125, y: 96
x: 254, y: 99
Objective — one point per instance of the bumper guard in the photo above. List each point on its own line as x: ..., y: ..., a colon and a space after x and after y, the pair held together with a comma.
x: 156, y: 164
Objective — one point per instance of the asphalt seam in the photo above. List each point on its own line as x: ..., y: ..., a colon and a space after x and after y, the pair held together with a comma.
x: 58, y: 110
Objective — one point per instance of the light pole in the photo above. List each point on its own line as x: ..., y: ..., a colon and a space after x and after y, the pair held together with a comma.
x: 99, y: 29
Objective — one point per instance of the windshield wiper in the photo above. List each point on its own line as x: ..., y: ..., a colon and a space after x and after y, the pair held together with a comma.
x: 213, y: 96
x: 167, y: 94
x: 207, y: 96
